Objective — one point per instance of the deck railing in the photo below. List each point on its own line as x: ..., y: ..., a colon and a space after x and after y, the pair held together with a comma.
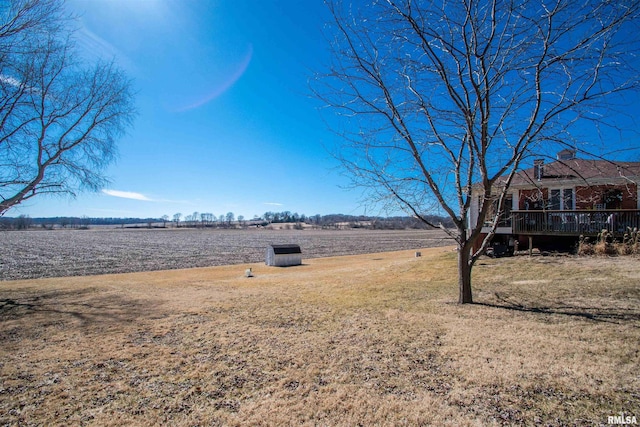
x: 586, y: 222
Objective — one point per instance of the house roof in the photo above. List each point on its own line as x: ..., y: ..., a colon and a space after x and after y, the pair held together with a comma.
x: 578, y: 170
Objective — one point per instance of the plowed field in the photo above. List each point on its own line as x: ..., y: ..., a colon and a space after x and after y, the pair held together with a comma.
x: 55, y: 253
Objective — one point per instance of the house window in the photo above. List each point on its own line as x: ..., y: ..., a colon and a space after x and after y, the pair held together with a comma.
x: 533, y: 200
x: 504, y: 219
x: 562, y: 199
x: 612, y: 199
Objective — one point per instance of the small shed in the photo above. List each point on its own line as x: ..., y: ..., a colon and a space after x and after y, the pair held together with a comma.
x: 283, y: 255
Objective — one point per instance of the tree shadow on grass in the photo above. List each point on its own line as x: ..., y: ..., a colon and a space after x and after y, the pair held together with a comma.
x: 617, y: 315
x: 86, y: 306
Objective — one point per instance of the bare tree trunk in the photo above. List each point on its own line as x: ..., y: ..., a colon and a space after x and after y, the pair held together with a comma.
x: 464, y: 274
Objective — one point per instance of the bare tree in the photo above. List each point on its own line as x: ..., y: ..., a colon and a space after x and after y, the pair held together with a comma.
x: 230, y: 217
x: 447, y: 95
x: 20, y: 20
x: 59, y: 119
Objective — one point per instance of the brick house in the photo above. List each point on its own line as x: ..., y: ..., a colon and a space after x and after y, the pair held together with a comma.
x: 567, y: 198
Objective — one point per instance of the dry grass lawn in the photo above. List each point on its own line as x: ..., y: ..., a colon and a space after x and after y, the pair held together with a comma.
x: 355, y: 340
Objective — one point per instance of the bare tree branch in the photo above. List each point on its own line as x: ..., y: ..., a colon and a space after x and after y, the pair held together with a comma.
x: 59, y: 120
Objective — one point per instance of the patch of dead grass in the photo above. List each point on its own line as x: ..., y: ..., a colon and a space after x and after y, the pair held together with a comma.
x: 367, y: 339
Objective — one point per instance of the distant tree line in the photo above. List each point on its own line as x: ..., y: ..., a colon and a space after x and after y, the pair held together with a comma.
x: 23, y: 222
x: 228, y: 220
x: 300, y: 220
x: 197, y: 219
x: 286, y: 216
x: 353, y: 221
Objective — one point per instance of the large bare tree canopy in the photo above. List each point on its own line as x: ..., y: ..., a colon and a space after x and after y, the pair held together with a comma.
x: 437, y: 96
x: 60, y: 117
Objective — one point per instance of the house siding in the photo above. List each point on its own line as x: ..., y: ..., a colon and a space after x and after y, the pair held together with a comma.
x: 593, y: 197
x: 586, y: 197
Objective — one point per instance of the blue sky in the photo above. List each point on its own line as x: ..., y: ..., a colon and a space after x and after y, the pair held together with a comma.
x: 226, y: 123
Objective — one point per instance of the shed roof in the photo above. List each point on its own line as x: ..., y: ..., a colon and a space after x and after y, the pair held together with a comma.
x: 286, y: 249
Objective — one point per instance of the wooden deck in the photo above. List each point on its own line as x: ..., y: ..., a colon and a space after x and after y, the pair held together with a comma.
x: 574, y: 223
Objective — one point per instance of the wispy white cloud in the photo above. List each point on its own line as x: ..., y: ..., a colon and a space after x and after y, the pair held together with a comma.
x: 9, y: 80
x: 96, y: 47
x: 127, y: 195
x: 273, y: 204
x: 96, y: 44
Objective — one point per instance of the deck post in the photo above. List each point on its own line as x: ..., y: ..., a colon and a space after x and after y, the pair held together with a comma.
x: 530, y: 245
